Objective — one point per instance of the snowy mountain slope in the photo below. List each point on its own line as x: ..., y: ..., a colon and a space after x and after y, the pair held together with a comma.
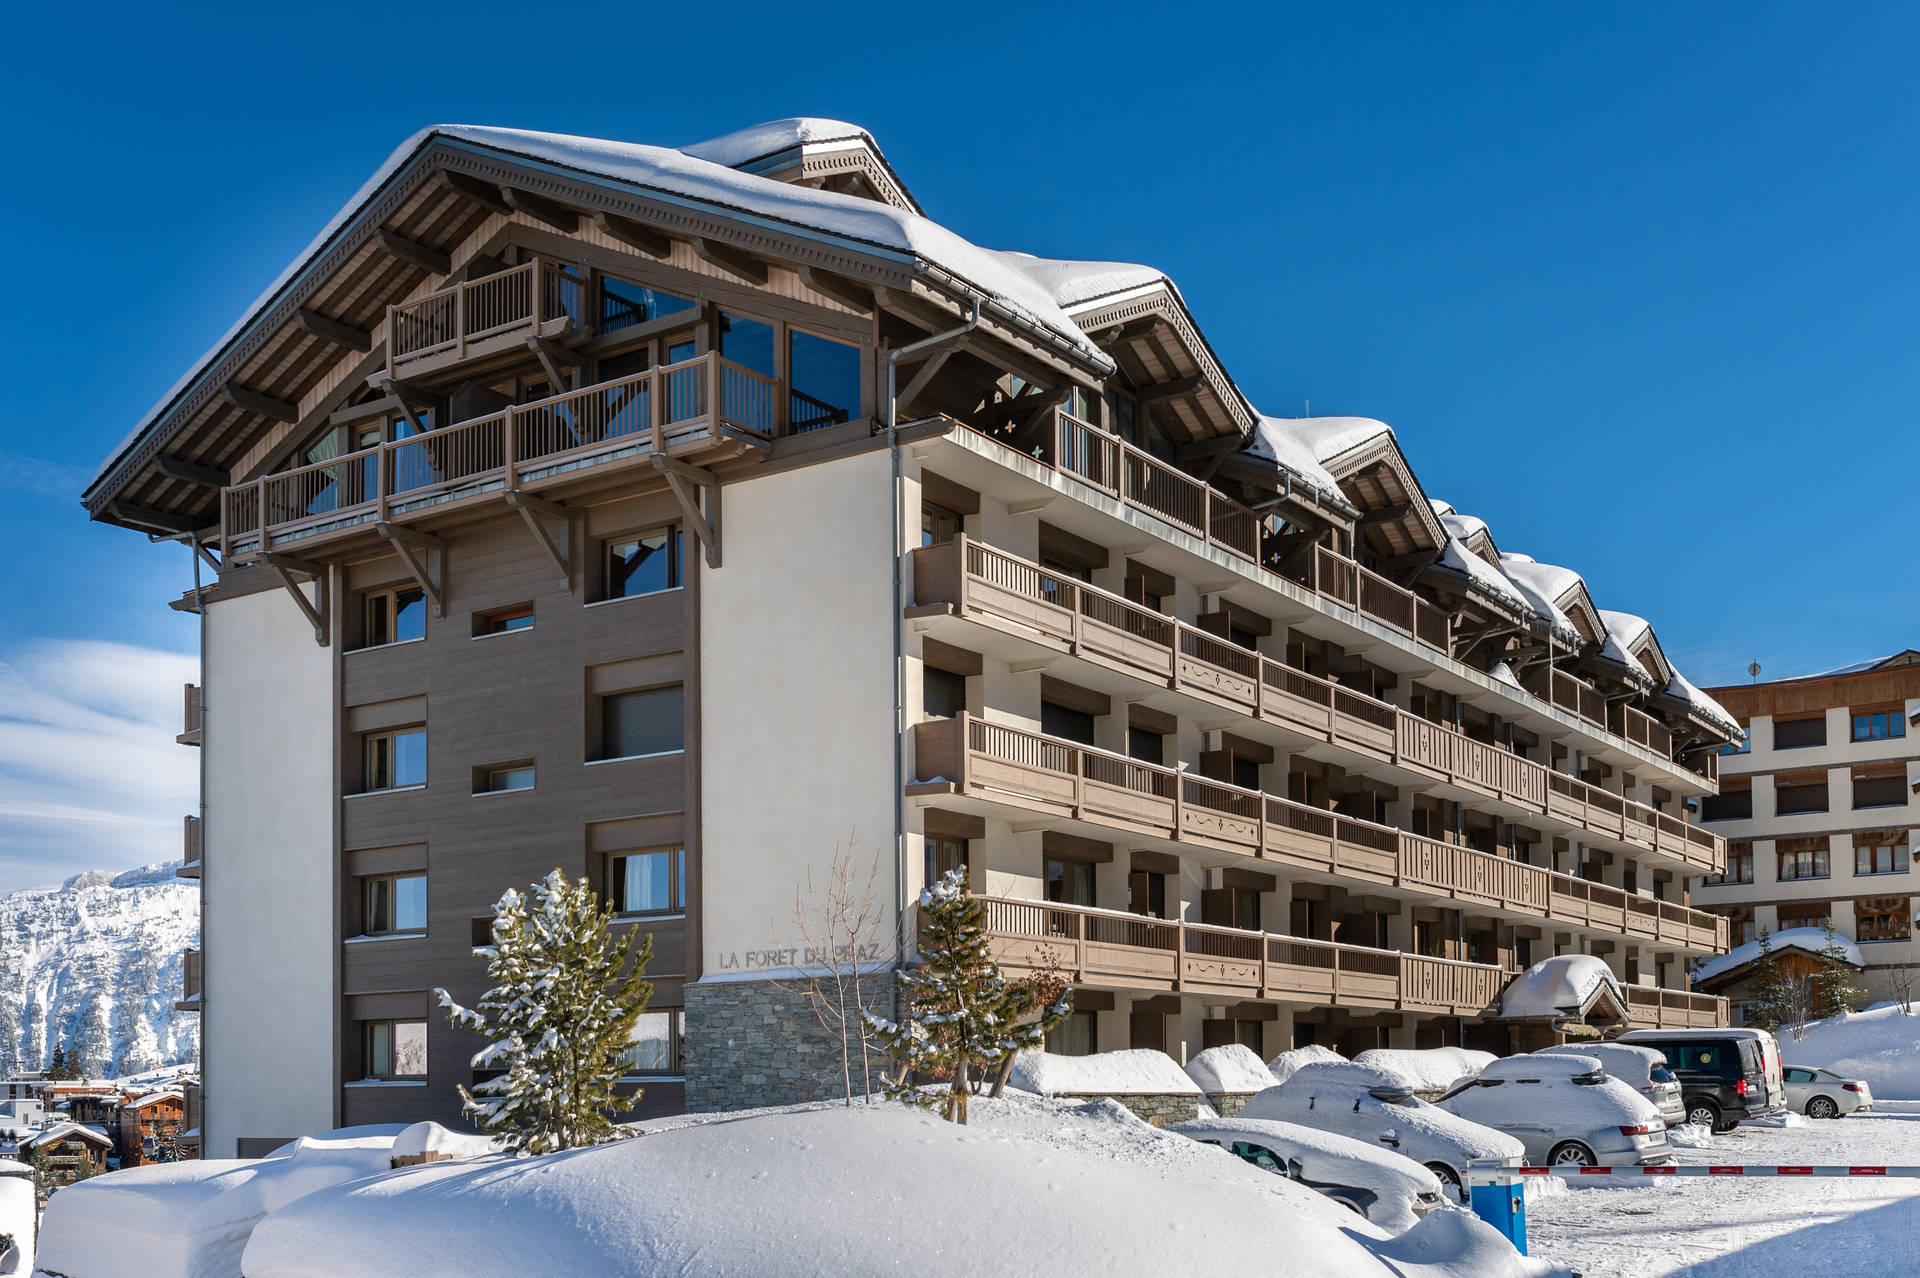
x: 94, y: 965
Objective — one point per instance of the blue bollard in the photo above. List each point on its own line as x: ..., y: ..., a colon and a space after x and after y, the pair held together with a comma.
x: 1503, y: 1205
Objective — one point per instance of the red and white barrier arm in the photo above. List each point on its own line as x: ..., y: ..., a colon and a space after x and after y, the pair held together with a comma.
x: 1573, y: 1171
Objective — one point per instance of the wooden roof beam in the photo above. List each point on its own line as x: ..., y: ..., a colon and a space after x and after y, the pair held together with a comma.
x: 1386, y: 514
x: 731, y: 260
x: 190, y: 472
x: 634, y: 235
x: 431, y: 260
x: 1148, y: 395
x: 252, y: 401
x: 154, y: 520
x: 332, y: 330
x: 485, y: 194
x: 849, y: 293
x: 540, y: 208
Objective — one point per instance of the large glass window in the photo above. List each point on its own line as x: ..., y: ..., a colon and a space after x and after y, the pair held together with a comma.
x: 1801, y: 859
x: 1074, y: 1036
x: 395, y: 759
x: 747, y: 342
x: 645, y: 564
x: 394, y: 616
x: 1885, y: 857
x: 396, y: 1049
x: 1063, y: 721
x: 396, y: 903
x: 641, y: 723
x: 938, y: 525
x: 943, y: 693
x: 624, y: 304
x: 1887, y: 918
x: 1739, y: 865
x: 1879, y: 725
x: 1798, y: 734
x: 1069, y: 882
x: 824, y: 377
x: 654, y: 1047
x: 648, y: 882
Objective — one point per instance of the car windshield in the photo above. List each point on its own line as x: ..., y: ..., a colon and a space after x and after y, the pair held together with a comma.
x: 1660, y: 1074
x: 1391, y: 1096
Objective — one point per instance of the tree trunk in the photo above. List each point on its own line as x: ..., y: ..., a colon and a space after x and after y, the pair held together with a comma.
x: 1000, y: 1075
x: 957, y: 1099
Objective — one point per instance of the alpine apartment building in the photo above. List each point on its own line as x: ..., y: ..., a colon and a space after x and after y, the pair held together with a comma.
x: 1819, y: 806
x: 678, y: 517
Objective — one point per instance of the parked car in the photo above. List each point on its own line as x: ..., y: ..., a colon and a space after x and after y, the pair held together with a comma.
x: 1385, y: 1188
x: 1723, y: 1077
x: 1378, y: 1106
x: 1821, y: 1093
x: 1642, y: 1068
x: 1565, y: 1110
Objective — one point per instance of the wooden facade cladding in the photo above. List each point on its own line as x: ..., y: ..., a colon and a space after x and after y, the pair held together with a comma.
x: 1028, y: 772
x: 982, y: 585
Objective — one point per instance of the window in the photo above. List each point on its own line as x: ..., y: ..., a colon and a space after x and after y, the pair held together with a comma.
x: 643, y: 565
x: 1147, y: 894
x: 1881, y: 789
x: 1804, y: 793
x: 1740, y: 925
x: 504, y: 620
x: 1148, y: 747
x: 1886, y: 857
x: 1728, y: 805
x: 943, y: 694
x: 396, y: 903
x: 1882, y: 918
x: 1815, y: 914
x: 634, y: 724
x: 394, y: 616
x: 1069, y: 882
x: 1077, y: 1035
x: 396, y: 1049
x: 938, y: 525
x: 1063, y: 721
x: 1739, y: 865
x: 824, y: 382
x: 504, y: 779
x: 1798, y: 734
x: 648, y: 882
x: 948, y: 855
x: 655, y: 1044
x: 1803, y: 859
x: 394, y: 760
x: 623, y: 304
x: 1879, y: 725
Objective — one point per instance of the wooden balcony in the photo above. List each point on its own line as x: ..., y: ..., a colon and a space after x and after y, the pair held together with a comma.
x: 986, y: 585
x: 190, y: 717
x: 697, y: 410
x: 1335, y: 577
x: 1577, y: 697
x: 1640, y: 728
x: 190, y: 984
x: 190, y: 851
x: 476, y: 319
x: 1650, y: 1008
x: 1037, y: 773
x: 1127, y: 951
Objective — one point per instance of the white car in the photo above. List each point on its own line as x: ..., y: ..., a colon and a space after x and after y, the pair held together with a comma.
x: 1642, y: 1068
x: 1821, y: 1093
x: 1565, y: 1110
x: 1378, y: 1106
x: 1384, y: 1188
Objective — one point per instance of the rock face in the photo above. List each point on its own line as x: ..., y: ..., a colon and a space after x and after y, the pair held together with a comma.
x: 94, y: 965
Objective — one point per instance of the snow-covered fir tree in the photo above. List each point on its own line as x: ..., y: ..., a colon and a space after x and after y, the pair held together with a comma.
x: 1767, y: 1003
x: 566, y: 996
x: 1835, y: 985
x: 964, y: 1017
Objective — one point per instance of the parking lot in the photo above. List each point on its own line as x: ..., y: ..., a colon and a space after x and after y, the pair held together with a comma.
x: 1773, y: 1228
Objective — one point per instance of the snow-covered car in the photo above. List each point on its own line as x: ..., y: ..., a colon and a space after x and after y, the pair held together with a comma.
x: 1388, y: 1189
x: 1565, y: 1110
x: 1642, y: 1068
x: 1433, y: 1071
x: 1378, y: 1106
x: 1821, y: 1093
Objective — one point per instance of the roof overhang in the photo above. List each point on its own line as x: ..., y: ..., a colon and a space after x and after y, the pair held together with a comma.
x: 1152, y: 338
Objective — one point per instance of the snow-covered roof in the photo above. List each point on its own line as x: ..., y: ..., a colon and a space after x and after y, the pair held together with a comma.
x: 63, y: 1131
x: 1326, y: 438
x: 1564, y: 986
x: 1624, y: 632
x: 1483, y: 576
x: 757, y: 141
x: 1073, y: 284
x: 1233, y: 1068
x: 1275, y: 441
x: 1465, y: 527
x: 1542, y: 587
x: 154, y: 1098
x: 1811, y: 940
x: 680, y: 175
x: 1680, y: 688
x: 1134, y: 1072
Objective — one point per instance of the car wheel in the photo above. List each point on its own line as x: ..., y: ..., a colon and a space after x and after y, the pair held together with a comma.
x: 1822, y: 1107
x: 1449, y: 1181
x: 1570, y: 1153
x: 1703, y: 1114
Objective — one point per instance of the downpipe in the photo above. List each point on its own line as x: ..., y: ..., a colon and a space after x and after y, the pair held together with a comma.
x: 894, y: 357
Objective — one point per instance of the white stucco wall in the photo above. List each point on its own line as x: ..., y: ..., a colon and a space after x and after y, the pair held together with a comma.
x: 268, y: 1019
x: 796, y: 714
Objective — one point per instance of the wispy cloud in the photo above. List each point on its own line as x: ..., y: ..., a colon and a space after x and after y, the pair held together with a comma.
x: 36, y: 475
x: 90, y: 775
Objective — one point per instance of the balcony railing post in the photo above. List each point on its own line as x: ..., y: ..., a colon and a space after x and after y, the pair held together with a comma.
x: 260, y: 509
x: 716, y: 408
x: 510, y: 446
x: 460, y: 322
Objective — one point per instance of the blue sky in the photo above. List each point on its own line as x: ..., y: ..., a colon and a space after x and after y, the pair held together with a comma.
x: 1633, y: 282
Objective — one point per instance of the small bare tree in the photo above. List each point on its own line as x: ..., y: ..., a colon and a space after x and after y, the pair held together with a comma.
x: 1901, y: 979
x: 1797, y: 994
x: 846, y: 946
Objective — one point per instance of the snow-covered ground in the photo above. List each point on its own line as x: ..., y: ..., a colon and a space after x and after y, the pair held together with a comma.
x: 1730, y: 1227
x: 1880, y: 1046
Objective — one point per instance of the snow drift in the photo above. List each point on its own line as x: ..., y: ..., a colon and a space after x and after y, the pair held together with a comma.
x: 1880, y: 1047
x: 1234, y: 1068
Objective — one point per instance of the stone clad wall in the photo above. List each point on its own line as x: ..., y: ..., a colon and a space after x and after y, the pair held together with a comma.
x: 1162, y: 1109
x: 755, y: 1043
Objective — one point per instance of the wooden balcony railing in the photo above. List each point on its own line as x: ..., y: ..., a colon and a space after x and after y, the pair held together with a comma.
x: 989, y: 585
x: 535, y: 299
x: 1650, y: 1008
x: 1051, y: 775
x: 190, y: 717
x: 190, y: 850
x: 1335, y: 577
x: 1641, y: 729
x: 674, y: 410
x: 1142, y: 480
x: 1576, y: 696
x: 1103, y: 947
x: 190, y: 982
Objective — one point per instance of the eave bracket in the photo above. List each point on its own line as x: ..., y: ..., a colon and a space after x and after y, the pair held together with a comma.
x: 420, y: 552
x: 705, y: 525
x: 317, y: 616
x: 533, y: 510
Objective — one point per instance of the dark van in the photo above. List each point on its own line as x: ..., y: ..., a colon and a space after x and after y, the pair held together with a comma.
x: 1723, y: 1078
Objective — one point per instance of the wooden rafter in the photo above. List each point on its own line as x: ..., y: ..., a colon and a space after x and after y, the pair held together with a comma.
x: 284, y: 567
x: 147, y: 517
x: 531, y: 510
x: 253, y: 401
x: 705, y: 525
x: 428, y: 259
x: 634, y: 235
x: 847, y: 292
x: 539, y: 207
x: 911, y: 392
x: 406, y: 542
x: 731, y: 260
x: 332, y: 330
x: 190, y: 472
x: 1174, y: 389
x: 485, y: 194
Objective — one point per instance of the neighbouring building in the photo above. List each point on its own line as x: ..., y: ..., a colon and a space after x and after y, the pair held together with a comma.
x: 73, y: 1152
x: 1819, y: 805
x: 679, y: 517
x: 145, y: 1125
